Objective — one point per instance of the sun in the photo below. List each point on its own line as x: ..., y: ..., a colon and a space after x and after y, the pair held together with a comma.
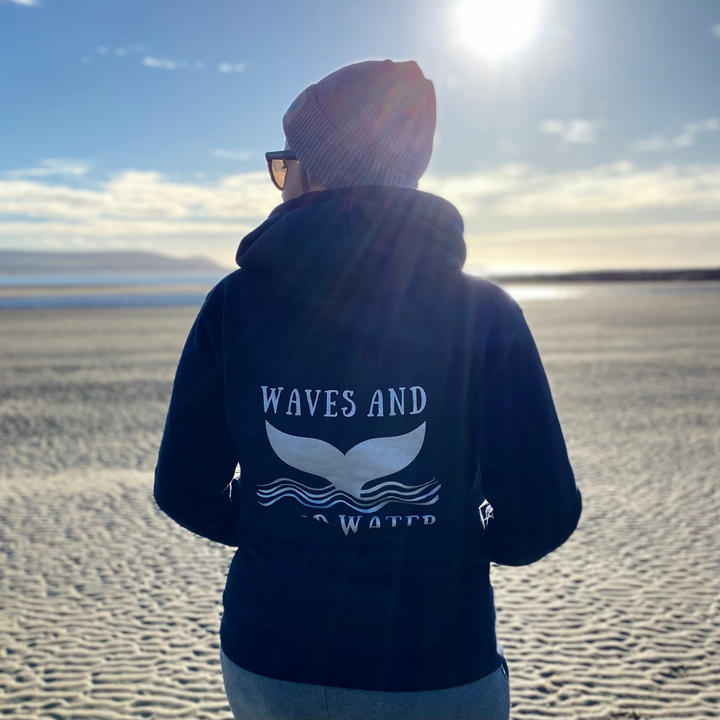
x: 492, y: 29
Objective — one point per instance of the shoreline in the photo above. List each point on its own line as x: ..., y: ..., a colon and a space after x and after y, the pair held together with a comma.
x: 614, y: 276
x: 58, y: 297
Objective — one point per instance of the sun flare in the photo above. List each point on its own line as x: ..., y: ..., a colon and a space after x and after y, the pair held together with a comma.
x: 492, y: 29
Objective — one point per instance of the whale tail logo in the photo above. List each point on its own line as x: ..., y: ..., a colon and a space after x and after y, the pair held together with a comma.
x: 348, y: 473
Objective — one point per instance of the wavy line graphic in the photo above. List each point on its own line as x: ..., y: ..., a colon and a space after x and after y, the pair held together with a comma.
x: 318, y: 492
x: 372, y: 500
x: 326, y: 498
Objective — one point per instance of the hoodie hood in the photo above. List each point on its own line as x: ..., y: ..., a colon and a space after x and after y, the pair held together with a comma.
x: 357, y: 240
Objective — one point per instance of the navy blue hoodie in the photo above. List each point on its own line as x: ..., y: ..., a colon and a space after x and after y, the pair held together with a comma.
x: 395, y: 432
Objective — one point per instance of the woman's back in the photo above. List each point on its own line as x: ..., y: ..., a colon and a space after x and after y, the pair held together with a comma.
x: 358, y: 377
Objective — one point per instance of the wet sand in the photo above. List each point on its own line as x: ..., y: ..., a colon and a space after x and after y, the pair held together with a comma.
x: 109, y: 610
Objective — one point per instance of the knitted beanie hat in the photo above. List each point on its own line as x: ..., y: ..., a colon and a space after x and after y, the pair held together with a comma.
x: 371, y: 123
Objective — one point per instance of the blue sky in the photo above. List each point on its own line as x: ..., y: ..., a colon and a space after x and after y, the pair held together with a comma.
x: 142, y: 124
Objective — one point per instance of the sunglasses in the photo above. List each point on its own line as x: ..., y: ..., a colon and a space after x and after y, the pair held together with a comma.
x: 277, y: 167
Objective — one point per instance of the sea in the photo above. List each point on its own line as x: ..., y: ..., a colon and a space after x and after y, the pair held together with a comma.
x: 78, y: 290
x: 190, y: 289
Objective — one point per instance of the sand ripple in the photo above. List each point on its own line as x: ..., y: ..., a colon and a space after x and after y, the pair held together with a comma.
x: 108, y: 610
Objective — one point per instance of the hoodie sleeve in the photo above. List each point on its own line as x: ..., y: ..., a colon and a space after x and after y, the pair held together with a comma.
x: 197, y: 460
x: 525, y: 471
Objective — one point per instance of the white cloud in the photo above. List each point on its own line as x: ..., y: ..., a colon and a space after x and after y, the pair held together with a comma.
x: 657, y: 142
x: 523, y: 191
x: 684, y: 140
x: 654, y: 143
x: 52, y: 166
x: 161, y: 64
x: 574, y: 132
x: 134, y: 196
x: 510, y: 189
x: 708, y: 125
x: 511, y: 149
x: 715, y: 30
x: 136, y: 209
x: 586, y: 247
x: 26, y: 3
x: 618, y: 189
x: 473, y: 191
x: 141, y: 209
x: 119, y: 228
x: 600, y: 232
x: 238, y: 155
x: 552, y: 126
x: 165, y: 64
x: 120, y: 51
x: 232, y: 67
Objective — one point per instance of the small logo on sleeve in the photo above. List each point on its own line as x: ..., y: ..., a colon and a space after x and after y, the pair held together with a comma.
x: 486, y: 513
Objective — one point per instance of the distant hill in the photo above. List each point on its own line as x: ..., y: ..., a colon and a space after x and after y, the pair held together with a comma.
x: 614, y: 276
x: 30, y: 263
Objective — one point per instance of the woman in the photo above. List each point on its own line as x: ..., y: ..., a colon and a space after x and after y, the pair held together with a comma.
x: 392, y: 420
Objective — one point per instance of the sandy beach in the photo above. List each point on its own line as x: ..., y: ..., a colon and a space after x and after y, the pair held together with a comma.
x: 110, y: 611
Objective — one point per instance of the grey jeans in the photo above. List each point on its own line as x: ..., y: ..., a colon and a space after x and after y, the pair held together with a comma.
x: 255, y: 697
